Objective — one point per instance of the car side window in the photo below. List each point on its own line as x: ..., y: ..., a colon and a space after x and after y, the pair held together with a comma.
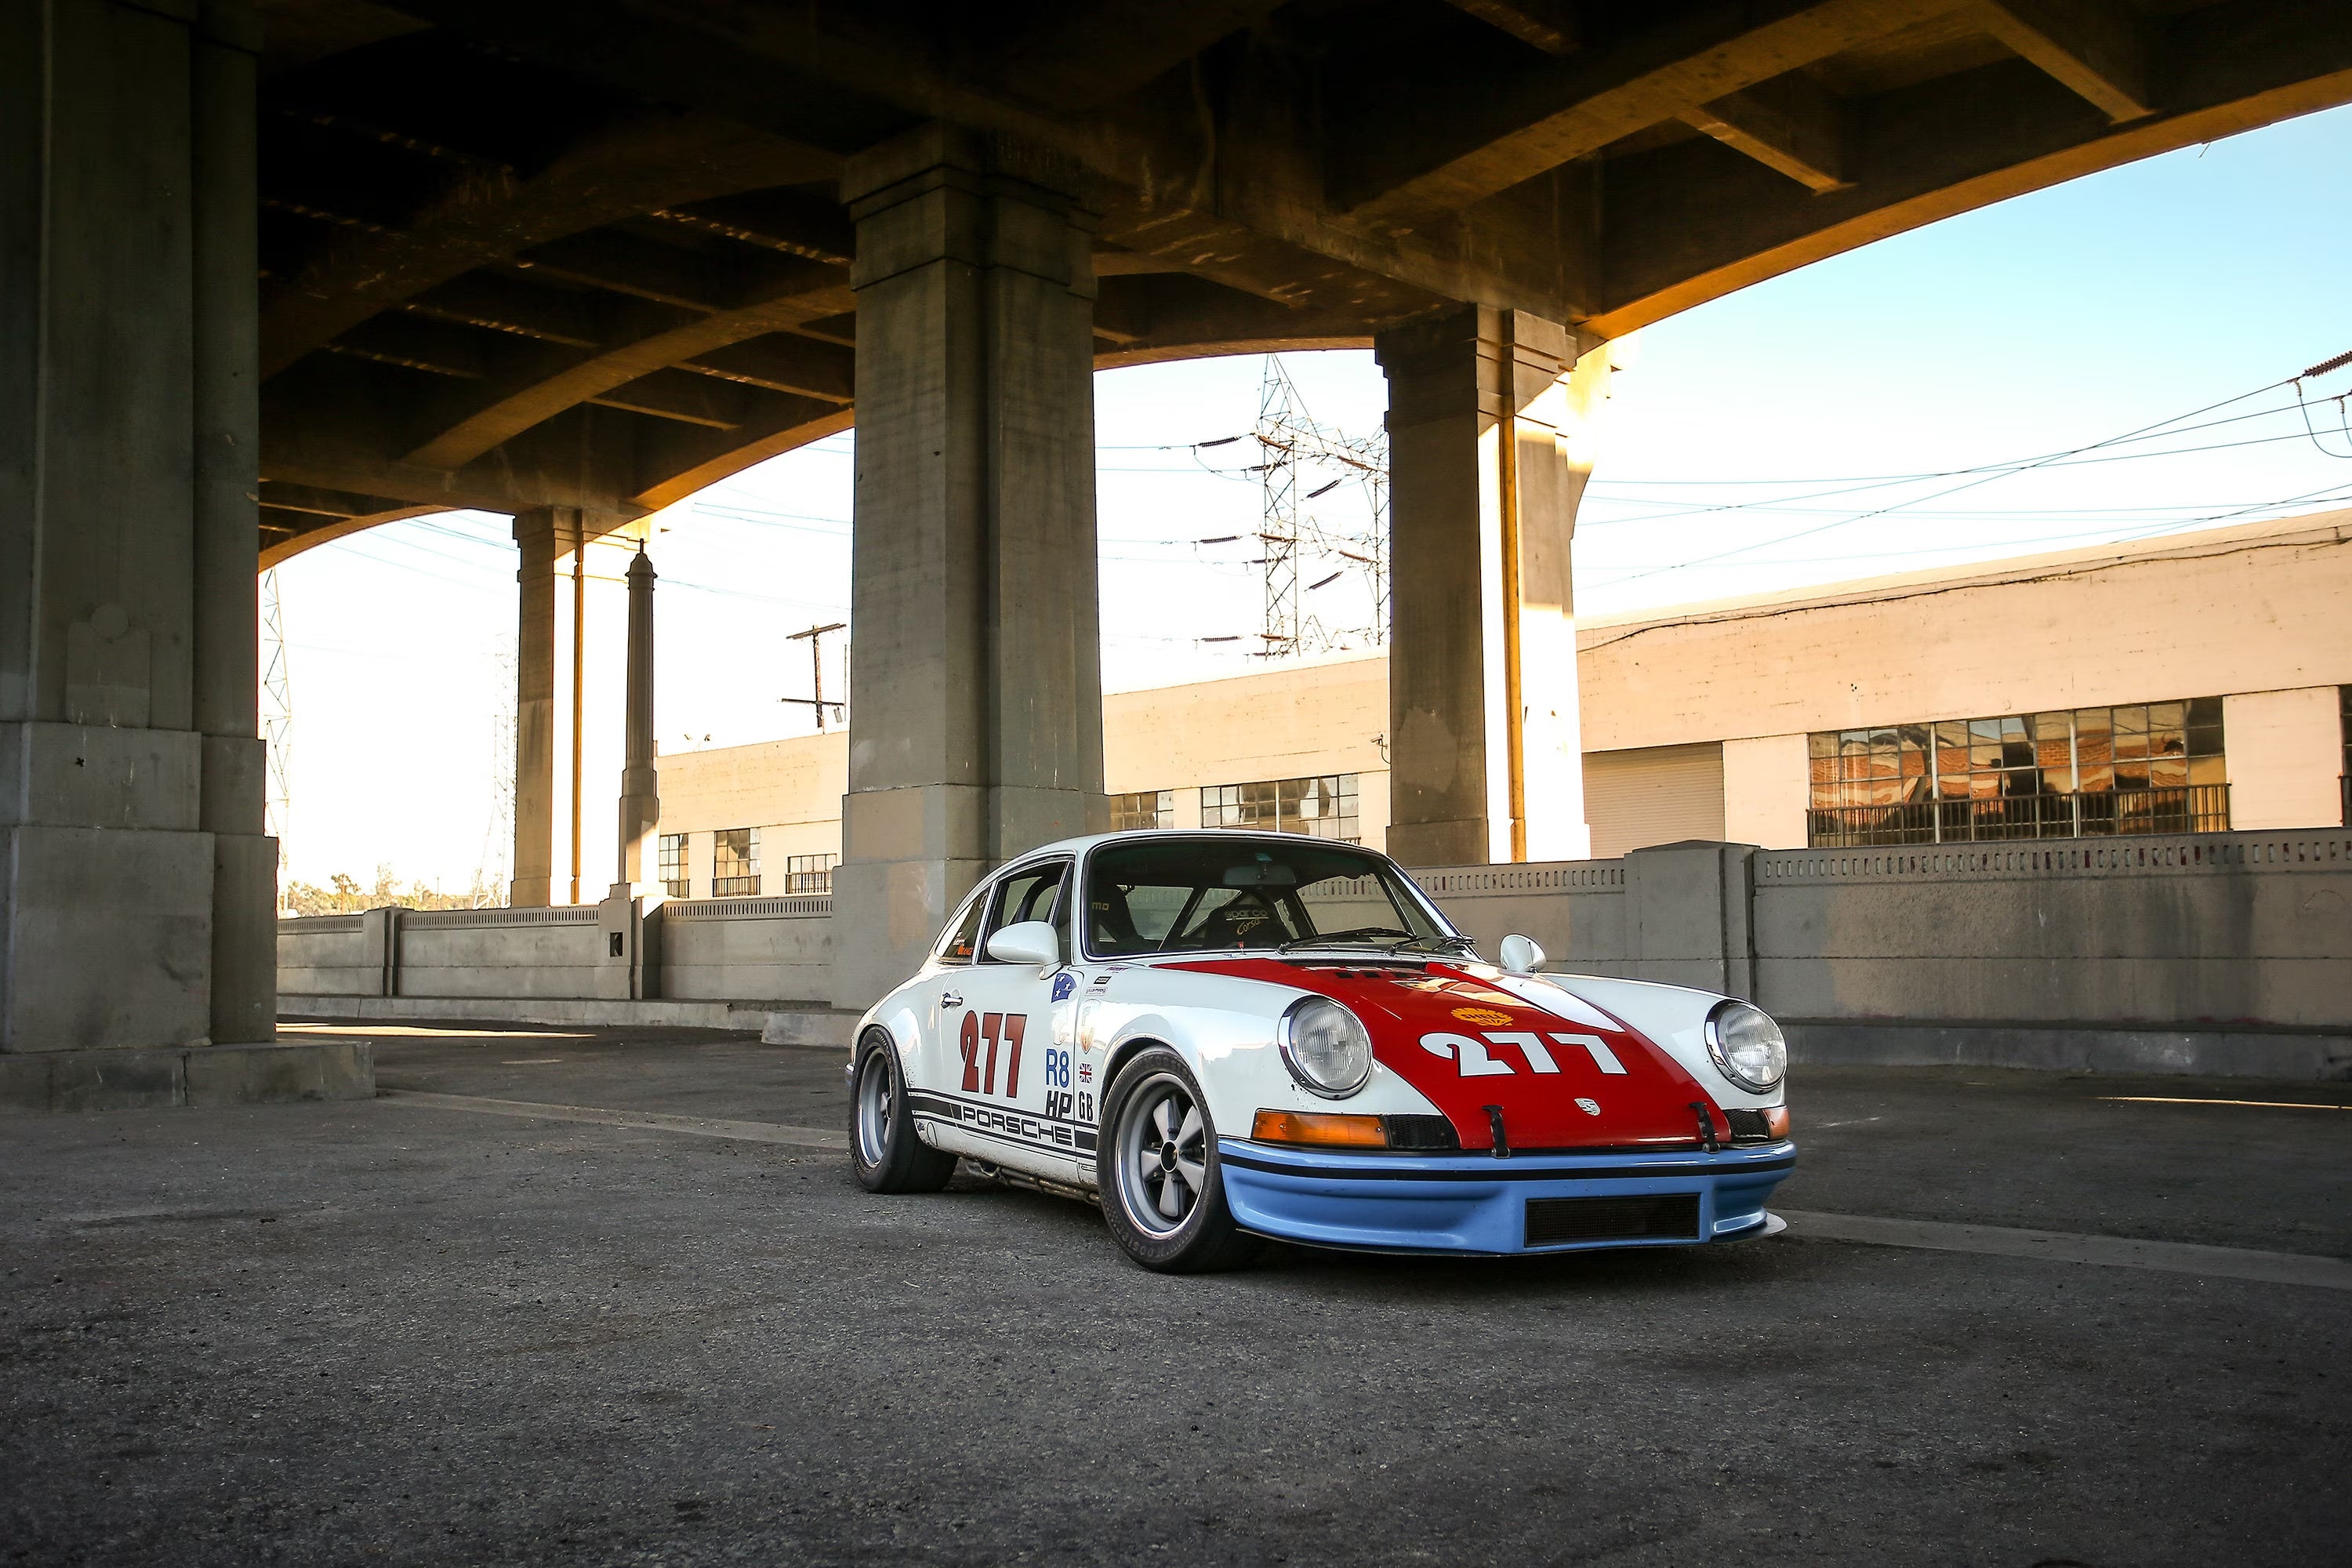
x: 1026, y: 895
x: 961, y: 943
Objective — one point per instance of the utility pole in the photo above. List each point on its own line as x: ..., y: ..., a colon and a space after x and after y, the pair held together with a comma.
x: 815, y: 636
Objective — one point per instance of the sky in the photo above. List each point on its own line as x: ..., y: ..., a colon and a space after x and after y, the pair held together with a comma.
x: 2109, y: 359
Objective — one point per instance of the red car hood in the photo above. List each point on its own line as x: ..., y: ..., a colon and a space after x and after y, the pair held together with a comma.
x: 1465, y: 1043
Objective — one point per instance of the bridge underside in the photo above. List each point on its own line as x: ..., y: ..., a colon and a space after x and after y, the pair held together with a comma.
x: 596, y: 255
x: 573, y: 260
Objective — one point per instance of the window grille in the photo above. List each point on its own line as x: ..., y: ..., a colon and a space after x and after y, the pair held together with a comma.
x: 734, y: 862
x: 1143, y: 808
x: 809, y: 874
x: 2149, y: 767
x: 673, y: 865
x: 1322, y: 807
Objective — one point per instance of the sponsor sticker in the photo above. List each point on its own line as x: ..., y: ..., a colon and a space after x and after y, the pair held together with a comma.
x: 1486, y: 1016
x: 1065, y: 985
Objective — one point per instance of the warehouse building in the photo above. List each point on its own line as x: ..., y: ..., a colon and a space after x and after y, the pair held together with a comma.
x: 2200, y: 682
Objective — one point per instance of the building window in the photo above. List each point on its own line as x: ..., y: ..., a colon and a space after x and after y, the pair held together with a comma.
x: 1321, y: 807
x: 734, y: 862
x: 2149, y: 767
x: 673, y: 865
x: 809, y: 874
x: 1144, y: 808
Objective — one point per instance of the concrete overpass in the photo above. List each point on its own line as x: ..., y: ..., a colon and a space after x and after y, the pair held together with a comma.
x: 575, y: 260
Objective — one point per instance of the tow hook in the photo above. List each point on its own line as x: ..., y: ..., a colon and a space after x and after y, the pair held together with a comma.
x: 1705, y: 1127
x: 1495, y: 1121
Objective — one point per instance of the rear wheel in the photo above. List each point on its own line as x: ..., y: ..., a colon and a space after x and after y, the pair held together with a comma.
x: 884, y: 1150
x: 1163, y: 1191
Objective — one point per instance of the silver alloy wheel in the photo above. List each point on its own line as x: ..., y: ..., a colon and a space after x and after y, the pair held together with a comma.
x: 1162, y: 1154
x: 874, y: 1108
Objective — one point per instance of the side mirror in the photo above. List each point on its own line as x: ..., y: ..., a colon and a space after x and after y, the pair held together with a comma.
x: 1518, y: 955
x: 1029, y: 941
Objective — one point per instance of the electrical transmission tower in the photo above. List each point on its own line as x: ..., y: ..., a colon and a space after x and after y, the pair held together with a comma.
x: 1300, y: 462
x: 276, y: 720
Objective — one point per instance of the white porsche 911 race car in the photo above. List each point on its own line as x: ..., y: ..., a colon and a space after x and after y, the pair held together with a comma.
x: 1226, y: 1036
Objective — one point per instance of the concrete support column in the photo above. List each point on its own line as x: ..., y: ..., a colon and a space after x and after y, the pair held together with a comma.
x: 136, y: 887
x: 977, y: 731
x: 568, y: 608
x: 1489, y: 447
x: 228, y: 448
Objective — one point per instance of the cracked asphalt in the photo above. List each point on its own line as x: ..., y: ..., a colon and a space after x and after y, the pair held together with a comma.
x: 390, y: 1334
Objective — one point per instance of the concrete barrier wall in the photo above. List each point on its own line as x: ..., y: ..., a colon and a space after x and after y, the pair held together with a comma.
x: 2188, y: 952
x: 760, y: 950
x: 769, y: 950
x: 326, y: 956
x: 533, y: 954
x: 2235, y: 930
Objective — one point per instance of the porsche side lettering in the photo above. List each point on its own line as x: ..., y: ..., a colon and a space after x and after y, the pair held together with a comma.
x: 1046, y: 1130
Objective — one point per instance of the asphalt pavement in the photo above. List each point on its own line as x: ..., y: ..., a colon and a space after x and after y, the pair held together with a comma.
x: 437, y: 1327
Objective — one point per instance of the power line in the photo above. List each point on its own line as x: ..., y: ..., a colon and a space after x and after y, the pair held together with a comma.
x: 1983, y: 478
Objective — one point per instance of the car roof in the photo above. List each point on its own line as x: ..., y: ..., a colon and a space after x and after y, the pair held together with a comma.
x: 1079, y: 845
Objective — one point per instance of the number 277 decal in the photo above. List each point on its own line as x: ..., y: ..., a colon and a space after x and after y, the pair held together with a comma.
x: 1006, y: 1028
x: 1469, y: 1053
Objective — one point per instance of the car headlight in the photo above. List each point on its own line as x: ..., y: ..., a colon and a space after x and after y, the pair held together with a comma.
x: 1746, y: 1045
x: 1326, y: 1048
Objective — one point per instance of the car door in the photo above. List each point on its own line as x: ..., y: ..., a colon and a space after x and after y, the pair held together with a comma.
x: 942, y: 1003
x: 1006, y: 1061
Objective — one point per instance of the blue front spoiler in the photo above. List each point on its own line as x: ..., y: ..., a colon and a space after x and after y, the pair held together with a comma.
x: 1476, y: 1202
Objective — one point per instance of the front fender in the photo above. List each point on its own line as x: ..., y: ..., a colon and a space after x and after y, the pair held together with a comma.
x: 1234, y: 1058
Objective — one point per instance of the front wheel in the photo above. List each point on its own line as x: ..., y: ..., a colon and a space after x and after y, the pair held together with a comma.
x: 1163, y: 1191
x: 884, y: 1152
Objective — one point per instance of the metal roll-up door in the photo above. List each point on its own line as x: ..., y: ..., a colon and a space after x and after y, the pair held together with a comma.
x: 1653, y: 794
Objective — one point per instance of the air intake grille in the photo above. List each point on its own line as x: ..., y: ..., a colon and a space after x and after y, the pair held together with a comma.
x: 1665, y: 1217
x: 1749, y: 1127
x: 1409, y: 1132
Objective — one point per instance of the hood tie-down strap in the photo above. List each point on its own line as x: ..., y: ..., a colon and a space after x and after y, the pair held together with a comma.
x: 1706, y: 1127
x: 1494, y: 1122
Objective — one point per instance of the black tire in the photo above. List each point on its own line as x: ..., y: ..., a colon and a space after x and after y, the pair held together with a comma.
x: 885, y: 1152
x: 1154, y: 1098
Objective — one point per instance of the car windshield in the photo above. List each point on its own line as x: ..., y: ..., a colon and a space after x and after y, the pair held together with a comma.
x: 1189, y: 895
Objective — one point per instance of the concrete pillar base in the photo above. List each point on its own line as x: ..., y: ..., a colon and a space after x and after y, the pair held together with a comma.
x: 197, y: 1076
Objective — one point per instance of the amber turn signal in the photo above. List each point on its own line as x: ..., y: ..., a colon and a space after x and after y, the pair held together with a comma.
x: 1320, y: 1128
x: 1776, y: 1121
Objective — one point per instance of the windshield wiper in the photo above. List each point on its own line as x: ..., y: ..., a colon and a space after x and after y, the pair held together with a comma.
x: 1356, y: 933
x: 1457, y: 943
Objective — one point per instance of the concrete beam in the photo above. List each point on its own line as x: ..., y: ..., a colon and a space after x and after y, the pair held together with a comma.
x: 1792, y: 124
x: 505, y: 303
x: 628, y: 169
x: 1505, y: 131
x: 1549, y: 25
x: 538, y: 381
x: 2093, y: 47
x: 676, y: 460
x: 781, y: 361
x: 1686, y: 226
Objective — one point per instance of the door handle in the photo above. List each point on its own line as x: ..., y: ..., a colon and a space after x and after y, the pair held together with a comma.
x: 952, y: 999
